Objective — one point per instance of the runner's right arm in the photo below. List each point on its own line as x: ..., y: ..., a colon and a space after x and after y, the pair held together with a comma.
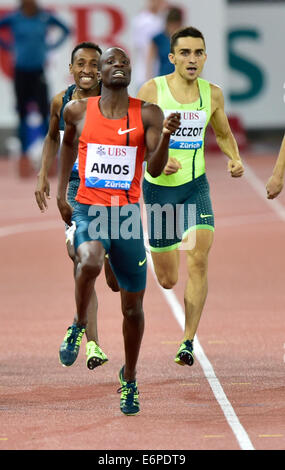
x: 157, y: 136
x: 148, y: 92
x: 49, y: 153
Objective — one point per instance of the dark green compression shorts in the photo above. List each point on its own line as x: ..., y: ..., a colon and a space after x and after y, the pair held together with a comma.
x: 73, y: 186
x: 174, y: 211
x: 119, y: 229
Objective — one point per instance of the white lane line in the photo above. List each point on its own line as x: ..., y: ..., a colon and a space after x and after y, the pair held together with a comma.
x: 178, y: 312
x: 229, y: 413
x: 30, y: 227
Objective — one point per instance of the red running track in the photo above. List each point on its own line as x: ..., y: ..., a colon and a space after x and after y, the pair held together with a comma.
x: 238, y: 404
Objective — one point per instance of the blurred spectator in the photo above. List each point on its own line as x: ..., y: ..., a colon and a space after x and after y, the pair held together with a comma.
x: 29, y: 26
x: 149, y: 22
x: 159, y: 47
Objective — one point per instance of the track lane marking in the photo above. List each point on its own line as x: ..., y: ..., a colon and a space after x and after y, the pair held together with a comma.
x: 232, y: 419
x: 30, y: 227
x: 229, y: 413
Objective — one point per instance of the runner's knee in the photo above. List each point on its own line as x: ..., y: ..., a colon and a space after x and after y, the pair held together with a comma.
x: 167, y: 280
x: 90, y: 265
x: 134, y: 312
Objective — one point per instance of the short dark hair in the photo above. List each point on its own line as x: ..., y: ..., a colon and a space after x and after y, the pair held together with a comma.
x: 190, y: 31
x: 174, y: 15
x: 85, y: 45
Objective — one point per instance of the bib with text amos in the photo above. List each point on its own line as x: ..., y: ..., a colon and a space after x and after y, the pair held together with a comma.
x: 105, y: 170
x: 110, y: 155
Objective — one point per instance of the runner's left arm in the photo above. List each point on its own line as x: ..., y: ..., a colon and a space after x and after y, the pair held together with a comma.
x: 275, y: 183
x: 224, y: 135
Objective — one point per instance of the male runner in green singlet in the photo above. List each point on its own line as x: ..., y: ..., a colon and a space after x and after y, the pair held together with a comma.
x: 183, y: 184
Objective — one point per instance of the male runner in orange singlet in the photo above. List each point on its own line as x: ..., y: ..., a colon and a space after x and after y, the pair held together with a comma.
x: 115, y: 133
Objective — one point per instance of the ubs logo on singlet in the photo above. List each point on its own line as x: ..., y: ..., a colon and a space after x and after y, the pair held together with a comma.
x: 101, y: 151
x: 190, y: 115
x: 111, y: 151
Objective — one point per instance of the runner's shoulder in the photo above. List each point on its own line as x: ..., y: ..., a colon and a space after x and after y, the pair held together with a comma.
x: 152, y: 115
x: 56, y: 102
x: 151, y: 109
x: 148, y: 91
x: 74, y: 108
x: 216, y: 92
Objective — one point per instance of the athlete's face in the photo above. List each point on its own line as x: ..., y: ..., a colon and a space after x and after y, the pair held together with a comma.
x: 84, y: 68
x: 115, y: 69
x: 29, y: 6
x: 189, y: 57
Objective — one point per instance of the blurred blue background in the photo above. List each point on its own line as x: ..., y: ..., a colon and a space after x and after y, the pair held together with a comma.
x: 244, y: 42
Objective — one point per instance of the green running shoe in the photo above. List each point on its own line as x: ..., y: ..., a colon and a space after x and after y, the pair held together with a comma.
x: 185, y: 354
x: 69, y: 348
x: 129, y: 403
x: 95, y: 356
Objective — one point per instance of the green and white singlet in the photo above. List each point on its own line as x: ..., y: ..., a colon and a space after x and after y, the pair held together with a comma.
x: 187, y: 190
x: 187, y: 145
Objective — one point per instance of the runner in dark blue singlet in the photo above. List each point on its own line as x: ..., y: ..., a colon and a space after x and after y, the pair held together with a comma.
x: 83, y: 67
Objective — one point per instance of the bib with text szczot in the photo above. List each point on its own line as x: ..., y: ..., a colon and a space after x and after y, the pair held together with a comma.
x: 191, y: 131
x: 110, y: 166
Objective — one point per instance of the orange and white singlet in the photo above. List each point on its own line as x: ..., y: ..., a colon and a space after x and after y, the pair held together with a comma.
x: 111, y: 153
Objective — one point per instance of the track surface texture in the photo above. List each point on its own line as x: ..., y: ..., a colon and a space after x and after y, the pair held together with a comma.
x: 231, y: 399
